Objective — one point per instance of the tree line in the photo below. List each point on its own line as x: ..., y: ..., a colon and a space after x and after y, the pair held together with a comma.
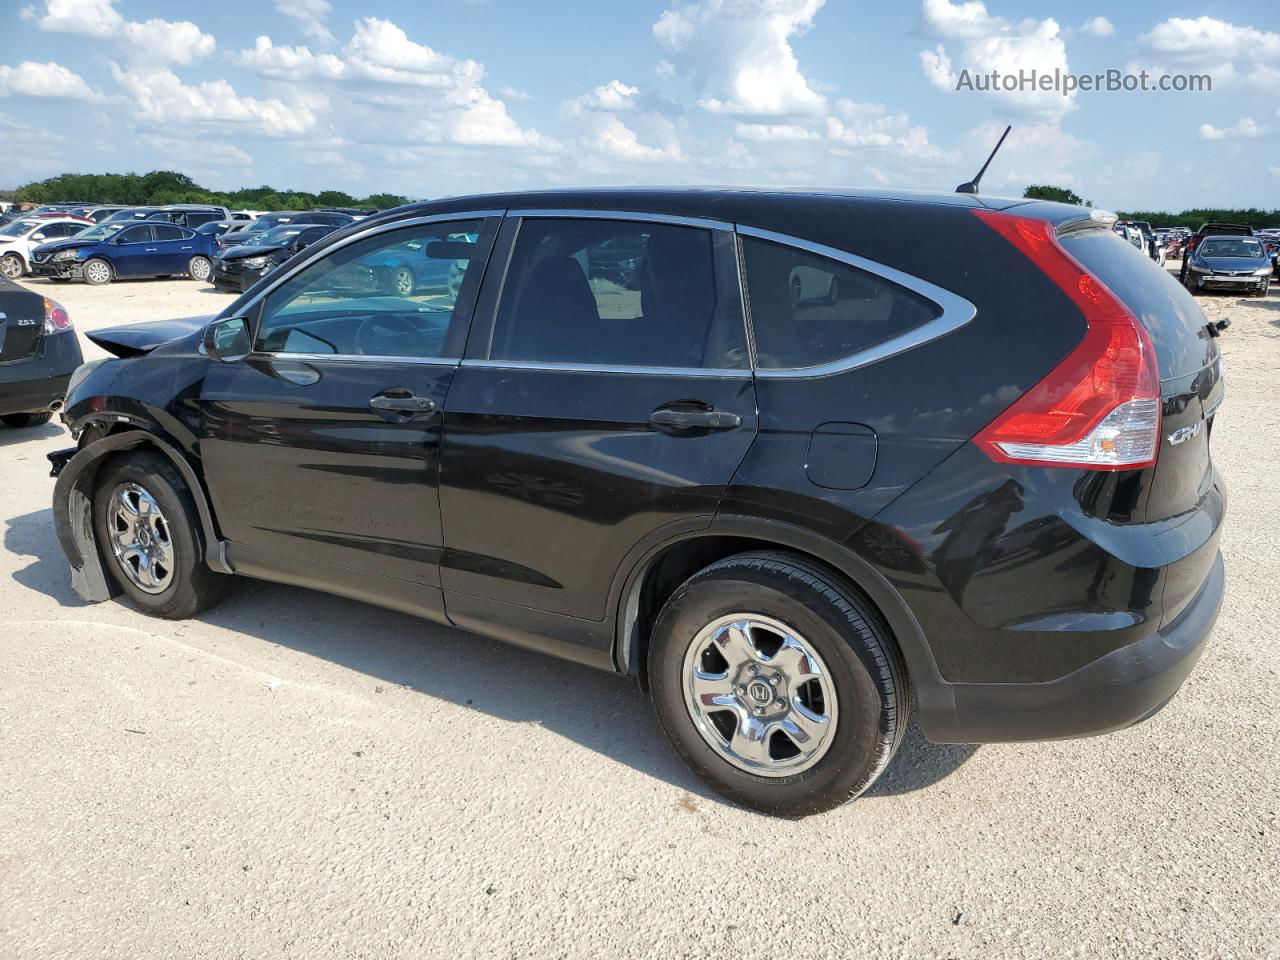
x: 1251, y: 217
x: 161, y: 187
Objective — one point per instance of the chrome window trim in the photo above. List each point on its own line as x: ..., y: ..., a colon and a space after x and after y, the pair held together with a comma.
x: 636, y: 215
x: 956, y: 311
x: 350, y: 358
x: 371, y: 231
x: 722, y: 373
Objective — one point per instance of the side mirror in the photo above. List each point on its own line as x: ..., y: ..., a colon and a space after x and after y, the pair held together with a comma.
x: 37, y: 236
x: 227, y: 340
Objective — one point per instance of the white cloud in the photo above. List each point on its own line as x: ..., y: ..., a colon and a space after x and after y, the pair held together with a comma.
x: 309, y: 15
x: 166, y: 40
x: 984, y: 43
x: 607, y: 135
x: 1246, y: 129
x: 616, y: 139
x: 205, y: 152
x: 614, y: 96
x: 29, y: 150
x: 289, y: 63
x: 160, y: 96
x: 379, y: 50
x: 1206, y: 41
x: 738, y: 53
x: 511, y: 93
x: 1034, y: 153
x: 774, y: 131
x: 45, y: 80
x: 1099, y: 27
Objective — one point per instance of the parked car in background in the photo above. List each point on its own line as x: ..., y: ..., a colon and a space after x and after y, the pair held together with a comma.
x: 240, y: 267
x: 218, y: 228
x: 1234, y: 263
x: 38, y: 354
x: 269, y: 221
x: 1210, y: 229
x: 130, y: 213
x: 127, y: 250
x: 406, y: 269
x: 793, y: 547
x: 190, y: 215
x: 19, y: 238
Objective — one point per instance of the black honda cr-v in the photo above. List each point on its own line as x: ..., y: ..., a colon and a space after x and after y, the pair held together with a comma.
x: 785, y: 458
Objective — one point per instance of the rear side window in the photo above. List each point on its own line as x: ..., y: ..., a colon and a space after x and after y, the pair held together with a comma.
x: 808, y: 310
x: 165, y: 231
x: 619, y: 293
x: 1169, y: 313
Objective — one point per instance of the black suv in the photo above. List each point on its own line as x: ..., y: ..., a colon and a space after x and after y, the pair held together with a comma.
x: 778, y: 454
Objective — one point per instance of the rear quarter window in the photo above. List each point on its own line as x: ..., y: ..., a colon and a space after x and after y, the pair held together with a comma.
x: 1167, y: 311
x: 808, y: 310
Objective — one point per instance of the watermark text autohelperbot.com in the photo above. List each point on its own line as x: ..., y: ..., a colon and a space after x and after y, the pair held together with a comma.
x: 1067, y: 83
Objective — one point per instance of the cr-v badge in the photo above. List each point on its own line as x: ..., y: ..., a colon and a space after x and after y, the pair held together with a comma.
x: 1185, y: 433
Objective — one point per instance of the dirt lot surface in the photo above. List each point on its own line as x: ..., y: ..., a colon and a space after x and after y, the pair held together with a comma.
x: 294, y: 775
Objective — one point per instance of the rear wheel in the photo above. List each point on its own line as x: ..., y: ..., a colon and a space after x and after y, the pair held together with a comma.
x: 778, y: 684
x: 20, y: 421
x: 97, y: 272
x: 150, y: 537
x: 199, y: 268
x: 11, y: 266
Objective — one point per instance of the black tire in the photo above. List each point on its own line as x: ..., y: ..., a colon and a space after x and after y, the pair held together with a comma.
x: 20, y: 421
x: 844, y: 629
x: 193, y: 587
x: 95, y: 275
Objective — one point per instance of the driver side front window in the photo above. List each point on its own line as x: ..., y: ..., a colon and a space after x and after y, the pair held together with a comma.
x: 389, y: 295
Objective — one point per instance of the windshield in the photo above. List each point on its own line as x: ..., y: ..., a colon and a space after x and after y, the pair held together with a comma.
x: 278, y: 235
x: 19, y: 227
x: 1231, y: 247
x: 100, y: 232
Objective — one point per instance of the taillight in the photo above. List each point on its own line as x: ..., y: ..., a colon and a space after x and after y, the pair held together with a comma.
x: 1099, y: 409
x: 56, y: 318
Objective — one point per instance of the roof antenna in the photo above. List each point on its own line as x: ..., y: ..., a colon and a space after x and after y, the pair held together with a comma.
x: 972, y: 185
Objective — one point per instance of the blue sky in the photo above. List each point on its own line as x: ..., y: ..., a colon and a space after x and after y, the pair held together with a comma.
x: 432, y: 98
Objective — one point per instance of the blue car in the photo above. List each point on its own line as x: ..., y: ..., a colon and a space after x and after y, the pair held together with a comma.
x: 126, y: 249
x: 1236, y: 264
x: 406, y: 269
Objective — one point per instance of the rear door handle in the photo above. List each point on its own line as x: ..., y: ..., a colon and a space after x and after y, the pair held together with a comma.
x: 402, y: 403
x: 149, y: 250
x: 677, y: 418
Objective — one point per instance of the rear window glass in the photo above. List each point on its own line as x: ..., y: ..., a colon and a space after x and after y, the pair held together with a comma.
x: 1170, y: 314
x: 807, y: 310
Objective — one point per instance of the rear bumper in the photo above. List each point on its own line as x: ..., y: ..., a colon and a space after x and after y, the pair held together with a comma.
x: 29, y: 386
x: 1118, y: 690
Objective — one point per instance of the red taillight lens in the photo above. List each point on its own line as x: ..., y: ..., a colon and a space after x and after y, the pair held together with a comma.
x: 1099, y: 409
x: 56, y: 318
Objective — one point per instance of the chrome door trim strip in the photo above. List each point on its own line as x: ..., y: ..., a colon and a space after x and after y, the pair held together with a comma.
x: 271, y: 356
x: 956, y: 311
x: 717, y: 372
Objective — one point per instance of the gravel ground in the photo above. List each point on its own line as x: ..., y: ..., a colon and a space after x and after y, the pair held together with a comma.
x: 295, y: 775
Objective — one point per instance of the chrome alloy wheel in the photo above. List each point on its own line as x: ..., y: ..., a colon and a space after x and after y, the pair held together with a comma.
x: 11, y: 266
x: 140, y: 538
x: 760, y: 695
x: 404, y: 281
x: 97, y: 272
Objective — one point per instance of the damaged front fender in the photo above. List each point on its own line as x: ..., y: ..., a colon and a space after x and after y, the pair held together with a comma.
x: 77, y: 475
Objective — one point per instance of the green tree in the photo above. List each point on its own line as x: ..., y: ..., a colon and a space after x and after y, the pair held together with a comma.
x: 1045, y: 191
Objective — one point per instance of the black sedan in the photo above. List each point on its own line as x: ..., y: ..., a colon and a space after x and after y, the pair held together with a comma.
x: 1239, y: 264
x: 38, y: 354
x: 238, y: 268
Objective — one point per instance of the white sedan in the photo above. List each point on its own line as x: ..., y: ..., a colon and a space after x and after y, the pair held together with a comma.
x: 19, y: 237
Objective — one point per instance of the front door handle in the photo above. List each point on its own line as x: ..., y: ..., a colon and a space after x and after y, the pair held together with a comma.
x: 149, y: 250
x: 681, y: 417
x: 402, y: 403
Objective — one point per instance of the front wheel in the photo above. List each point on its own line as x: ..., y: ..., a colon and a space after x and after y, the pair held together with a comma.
x: 199, y: 268
x: 150, y: 537
x: 11, y: 266
x: 778, y: 683
x: 97, y: 272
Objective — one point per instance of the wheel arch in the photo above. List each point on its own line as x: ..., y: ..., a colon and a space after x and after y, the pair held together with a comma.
x: 648, y: 579
x: 73, y: 507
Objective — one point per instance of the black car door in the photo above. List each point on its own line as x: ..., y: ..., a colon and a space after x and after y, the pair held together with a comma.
x: 321, y: 448
x: 606, y: 398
